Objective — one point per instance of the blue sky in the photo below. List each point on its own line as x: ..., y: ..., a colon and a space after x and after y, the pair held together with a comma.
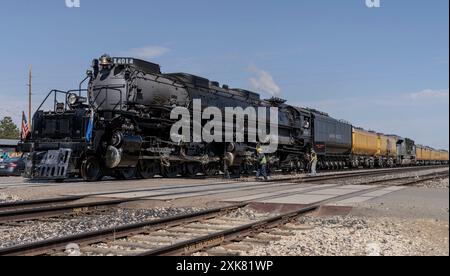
x: 382, y: 68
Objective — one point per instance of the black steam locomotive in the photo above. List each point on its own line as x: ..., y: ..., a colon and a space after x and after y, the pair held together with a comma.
x: 120, y: 126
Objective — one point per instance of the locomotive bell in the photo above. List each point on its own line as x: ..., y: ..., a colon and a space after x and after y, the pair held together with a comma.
x: 105, y: 60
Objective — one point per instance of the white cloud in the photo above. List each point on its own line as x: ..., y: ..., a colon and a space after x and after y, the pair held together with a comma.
x: 430, y: 94
x: 264, y: 82
x: 147, y: 52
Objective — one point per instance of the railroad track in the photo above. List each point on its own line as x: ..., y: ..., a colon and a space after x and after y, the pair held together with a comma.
x: 357, y: 173
x: 42, y: 183
x: 54, y: 210
x: 187, y: 234
x: 36, y: 209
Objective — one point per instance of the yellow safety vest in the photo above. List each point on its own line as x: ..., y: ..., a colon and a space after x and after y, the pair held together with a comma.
x: 264, y: 161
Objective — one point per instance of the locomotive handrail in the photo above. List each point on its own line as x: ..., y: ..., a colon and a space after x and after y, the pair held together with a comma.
x: 55, y: 92
x: 81, y: 84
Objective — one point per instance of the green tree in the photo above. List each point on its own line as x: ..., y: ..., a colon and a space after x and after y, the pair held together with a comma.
x: 9, y: 130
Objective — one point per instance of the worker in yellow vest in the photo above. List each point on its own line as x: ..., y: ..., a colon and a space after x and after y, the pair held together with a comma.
x: 262, y: 162
x: 314, y: 160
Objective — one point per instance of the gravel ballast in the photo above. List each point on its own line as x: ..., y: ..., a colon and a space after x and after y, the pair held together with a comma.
x: 33, y: 231
x: 4, y: 197
x: 438, y: 184
x: 355, y: 236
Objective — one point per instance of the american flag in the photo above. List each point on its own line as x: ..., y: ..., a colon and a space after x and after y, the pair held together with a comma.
x: 25, y: 127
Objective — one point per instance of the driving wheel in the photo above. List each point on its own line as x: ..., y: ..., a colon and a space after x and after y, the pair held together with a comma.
x: 148, y: 169
x: 91, y: 169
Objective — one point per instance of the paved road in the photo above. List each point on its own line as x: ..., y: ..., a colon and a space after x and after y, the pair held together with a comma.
x: 408, y: 203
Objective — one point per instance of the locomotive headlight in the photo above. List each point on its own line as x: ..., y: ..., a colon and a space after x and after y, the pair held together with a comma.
x: 72, y: 99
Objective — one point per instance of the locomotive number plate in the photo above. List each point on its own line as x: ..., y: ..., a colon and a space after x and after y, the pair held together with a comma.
x: 123, y: 61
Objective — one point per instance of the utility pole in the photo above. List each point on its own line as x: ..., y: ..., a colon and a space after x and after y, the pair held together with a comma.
x: 30, y: 76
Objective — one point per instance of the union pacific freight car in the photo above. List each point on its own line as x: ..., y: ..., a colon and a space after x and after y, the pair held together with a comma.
x: 371, y: 149
x: 429, y: 156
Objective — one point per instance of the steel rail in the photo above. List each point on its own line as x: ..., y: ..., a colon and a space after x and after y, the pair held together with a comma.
x: 55, y: 210
x: 37, y: 202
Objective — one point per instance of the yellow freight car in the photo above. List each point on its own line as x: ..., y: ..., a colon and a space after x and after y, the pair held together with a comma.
x: 420, y: 153
x: 445, y: 156
x: 430, y: 154
x: 365, y: 143
x: 441, y: 156
x: 426, y: 154
x: 387, y: 146
x: 435, y: 155
x: 373, y: 149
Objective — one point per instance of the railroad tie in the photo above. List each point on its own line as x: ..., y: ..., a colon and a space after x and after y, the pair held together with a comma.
x: 109, y: 251
x: 293, y: 227
x: 133, y: 245
x: 245, y: 247
x: 222, y: 252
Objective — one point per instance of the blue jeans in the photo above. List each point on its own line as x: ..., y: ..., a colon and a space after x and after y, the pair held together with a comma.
x: 262, y: 171
x: 314, y: 168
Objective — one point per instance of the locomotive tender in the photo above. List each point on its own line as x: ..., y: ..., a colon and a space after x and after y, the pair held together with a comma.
x: 122, y: 129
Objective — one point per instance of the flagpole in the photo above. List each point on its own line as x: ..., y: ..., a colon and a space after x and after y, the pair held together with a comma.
x: 30, y: 77
x: 21, y: 126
